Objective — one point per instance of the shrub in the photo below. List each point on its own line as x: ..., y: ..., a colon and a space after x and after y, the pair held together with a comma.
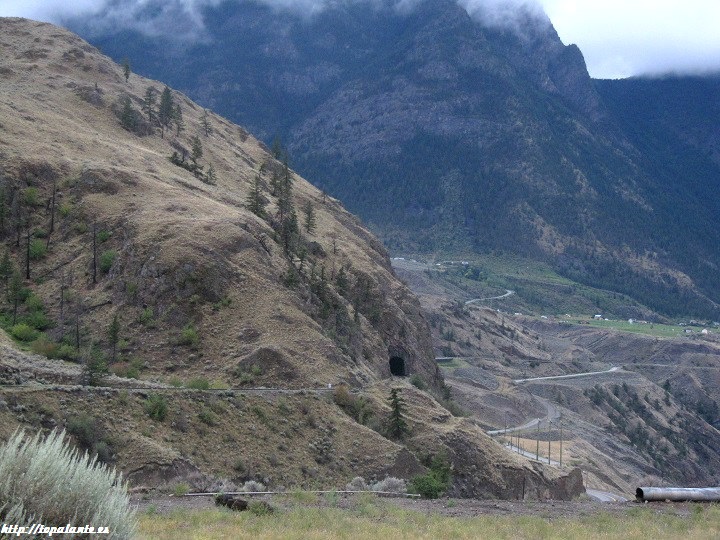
x: 436, y: 482
x: 30, y: 196
x: 260, y: 508
x: 23, y: 332
x: 90, y: 436
x: 156, y: 407
x: 66, y: 209
x: 38, y: 249
x: 199, y: 383
x: 207, y: 417
x: 251, y: 486
x: 81, y: 228
x: 390, y: 485
x: 38, y: 320
x: 355, y: 407
x: 189, y: 336
x: 44, y: 347
x: 175, y: 382
x: 66, y: 352
x: 45, y: 480
x: 181, y: 489
x: 418, y: 383
x: 146, y: 316
x: 34, y: 303
x: 104, y: 236
x: 107, y: 258
x: 357, y: 484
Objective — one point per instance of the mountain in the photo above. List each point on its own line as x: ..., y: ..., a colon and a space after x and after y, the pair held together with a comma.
x: 450, y: 135
x: 240, y: 346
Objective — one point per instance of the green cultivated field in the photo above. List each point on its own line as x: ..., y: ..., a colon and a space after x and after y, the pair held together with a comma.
x: 383, y: 521
x: 654, y: 329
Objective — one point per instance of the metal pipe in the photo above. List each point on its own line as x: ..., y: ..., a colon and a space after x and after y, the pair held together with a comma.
x: 677, y: 494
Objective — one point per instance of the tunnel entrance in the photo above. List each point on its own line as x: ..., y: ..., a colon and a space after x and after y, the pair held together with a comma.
x: 397, y: 366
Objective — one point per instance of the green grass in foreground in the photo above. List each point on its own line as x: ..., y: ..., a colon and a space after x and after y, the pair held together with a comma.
x: 382, y: 520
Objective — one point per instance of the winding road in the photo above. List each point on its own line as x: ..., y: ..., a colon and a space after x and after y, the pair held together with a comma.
x: 508, y: 293
x: 572, y: 376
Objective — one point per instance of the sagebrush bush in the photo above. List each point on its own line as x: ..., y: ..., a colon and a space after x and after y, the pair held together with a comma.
x: 390, y: 485
x: 43, y: 479
x: 357, y: 484
x: 251, y: 486
x: 198, y: 383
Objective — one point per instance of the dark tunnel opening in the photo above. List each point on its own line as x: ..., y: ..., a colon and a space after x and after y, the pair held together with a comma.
x: 397, y: 366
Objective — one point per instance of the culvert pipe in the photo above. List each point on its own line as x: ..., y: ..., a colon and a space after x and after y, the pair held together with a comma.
x: 647, y: 494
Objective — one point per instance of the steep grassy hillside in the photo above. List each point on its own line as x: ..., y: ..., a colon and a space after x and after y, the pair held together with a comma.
x: 130, y: 249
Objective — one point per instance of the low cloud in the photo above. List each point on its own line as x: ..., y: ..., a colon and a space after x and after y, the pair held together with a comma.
x: 619, y: 38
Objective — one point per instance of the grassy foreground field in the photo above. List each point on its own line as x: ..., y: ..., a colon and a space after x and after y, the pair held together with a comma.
x: 384, y: 521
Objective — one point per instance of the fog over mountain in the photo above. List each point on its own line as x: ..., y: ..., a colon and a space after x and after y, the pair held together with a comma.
x: 618, y: 38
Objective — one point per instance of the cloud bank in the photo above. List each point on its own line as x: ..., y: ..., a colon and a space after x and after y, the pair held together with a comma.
x: 619, y: 38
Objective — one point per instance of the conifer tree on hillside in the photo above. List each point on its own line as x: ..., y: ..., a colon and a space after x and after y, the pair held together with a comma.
x: 128, y: 115
x: 310, y: 220
x: 149, y: 103
x: 255, y: 201
x: 114, y: 335
x: 126, y: 68
x: 276, y: 149
x: 196, y: 152
x: 211, y: 177
x: 397, y: 426
x: 3, y: 211
x: 178, y: 119
x: 15, y: 292
x: 166, y: 110
x: 6, y: 270
x: 205, y: 122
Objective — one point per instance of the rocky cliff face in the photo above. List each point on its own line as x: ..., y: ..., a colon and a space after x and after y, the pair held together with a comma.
x: 447, y: 134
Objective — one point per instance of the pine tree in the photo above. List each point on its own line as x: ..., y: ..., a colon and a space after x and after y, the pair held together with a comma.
x: 276, y: 149
x: 15, y: 292
x: 255, y: 201
x: 51, y: 229
x: 127, y: 115
x: 6, y: 270
x: 211, y: 177
x: 197, y: 150
x: 166, y: 111
x: 126, y: 68
x: 149, y: 103
x: 3, y: 211
x: 178, y: 119
x: 205, y: 122
x: 94, y: 253
x: 114, y: 335
x: 397, y: 426
x: 310, y: 221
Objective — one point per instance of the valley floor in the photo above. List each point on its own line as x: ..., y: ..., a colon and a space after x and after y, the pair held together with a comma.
x: 365, y: 517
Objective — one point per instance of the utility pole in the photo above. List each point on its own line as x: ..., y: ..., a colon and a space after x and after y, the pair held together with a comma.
x: 537, y: 443
x: 549, y: 441
x: 561, y: 438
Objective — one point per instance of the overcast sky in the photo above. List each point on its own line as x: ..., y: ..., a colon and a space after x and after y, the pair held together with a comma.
x: 619, y: 38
